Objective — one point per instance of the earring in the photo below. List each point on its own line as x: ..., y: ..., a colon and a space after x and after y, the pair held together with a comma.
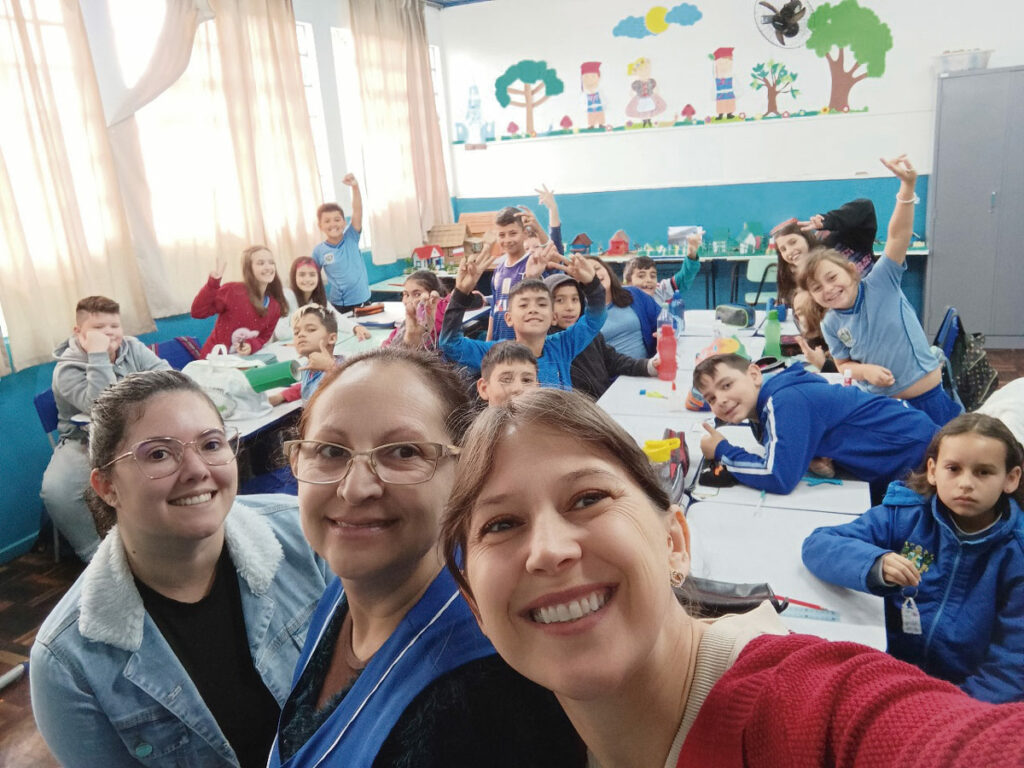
x: 676, y: 578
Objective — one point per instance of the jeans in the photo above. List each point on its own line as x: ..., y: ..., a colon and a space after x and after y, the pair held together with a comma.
x: 64, y: 484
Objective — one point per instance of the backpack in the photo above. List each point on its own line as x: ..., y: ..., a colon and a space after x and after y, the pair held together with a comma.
x: 973, y: 375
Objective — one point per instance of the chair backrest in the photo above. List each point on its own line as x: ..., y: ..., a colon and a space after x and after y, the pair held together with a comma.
x: 46, y: 408
x: 179, y: 351
x: 948, y: 332
x: 762, y: 268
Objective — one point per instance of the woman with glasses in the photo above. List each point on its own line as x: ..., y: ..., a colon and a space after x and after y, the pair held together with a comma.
x: 395, y: 671
x: 176, y: 644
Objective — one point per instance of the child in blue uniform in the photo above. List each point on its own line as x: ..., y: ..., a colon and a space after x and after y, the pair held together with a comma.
x: 946, y: 551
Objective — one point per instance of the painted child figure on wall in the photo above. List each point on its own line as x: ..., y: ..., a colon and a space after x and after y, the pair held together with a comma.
x: 725, y: 98
x: 590, y: 80
x: 646, y: 103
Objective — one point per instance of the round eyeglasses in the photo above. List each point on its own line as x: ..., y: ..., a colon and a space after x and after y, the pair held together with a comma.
x: 314, y: 461
x: 159, y: 457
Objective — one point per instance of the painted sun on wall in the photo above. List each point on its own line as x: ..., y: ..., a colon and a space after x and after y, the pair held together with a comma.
x: 851, y: 39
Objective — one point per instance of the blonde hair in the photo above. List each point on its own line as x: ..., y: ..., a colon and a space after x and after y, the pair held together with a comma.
x: 821, y: 256
x: 635, y: 65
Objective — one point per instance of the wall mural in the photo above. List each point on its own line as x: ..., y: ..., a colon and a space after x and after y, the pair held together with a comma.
x: 851, y: 38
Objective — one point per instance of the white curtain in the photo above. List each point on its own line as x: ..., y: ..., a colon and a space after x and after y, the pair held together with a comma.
x: 63, y: 232
x: 405, y: 187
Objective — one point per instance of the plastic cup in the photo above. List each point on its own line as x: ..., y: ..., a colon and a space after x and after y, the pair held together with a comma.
x: 270, y: 376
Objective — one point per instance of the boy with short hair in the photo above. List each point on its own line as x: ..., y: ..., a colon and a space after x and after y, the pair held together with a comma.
x: 799, y: 415
x: 529, y: 314
x: 642, y: 272
x: 338, y: 255
x: 315, y: 332
x: 96, y: 355
x: 506, y: 371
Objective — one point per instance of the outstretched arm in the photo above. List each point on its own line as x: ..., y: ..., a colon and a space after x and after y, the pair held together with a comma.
x: 901, y: 225
x: 356, y: 219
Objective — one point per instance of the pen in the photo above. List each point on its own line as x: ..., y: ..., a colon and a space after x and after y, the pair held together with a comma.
x: 760, y: 501
x: 794, y: 601
x: 652, y: 393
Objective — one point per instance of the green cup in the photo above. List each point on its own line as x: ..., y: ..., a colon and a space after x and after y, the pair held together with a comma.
x: 267, y: 377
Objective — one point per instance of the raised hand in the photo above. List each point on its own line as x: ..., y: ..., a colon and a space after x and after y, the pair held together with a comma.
x: 320, y: 360
x: 877, y: 375
x: 219, y: 266
x: 710, y: 441
x: 817, y: 221
x: 350, y: 180
x: 539, y: 258
x: 896, y: 569
x: 812, y: 355
x: 578, y: 267
x: 429, y: 314
x: 693, y: 242
x: 546, y: 197
x: 901, y: 169
x: 472, y: 267
x: 528, y: 220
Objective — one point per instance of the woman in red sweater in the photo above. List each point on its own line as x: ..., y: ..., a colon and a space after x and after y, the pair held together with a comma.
x: 255, y: 304
x: 571, y: 577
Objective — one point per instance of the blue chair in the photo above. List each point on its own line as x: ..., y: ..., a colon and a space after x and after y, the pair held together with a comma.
x: 949, y: 330
x: 179, y: 351
x: 46, y: 408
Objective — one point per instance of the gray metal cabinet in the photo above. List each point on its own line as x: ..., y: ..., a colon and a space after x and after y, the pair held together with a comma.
x: 976, y: 205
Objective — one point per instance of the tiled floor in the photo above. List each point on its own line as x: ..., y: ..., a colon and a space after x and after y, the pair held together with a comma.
x: 31, y: 585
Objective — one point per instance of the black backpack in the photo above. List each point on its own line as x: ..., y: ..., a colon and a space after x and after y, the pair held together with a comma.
x: 973, y: 374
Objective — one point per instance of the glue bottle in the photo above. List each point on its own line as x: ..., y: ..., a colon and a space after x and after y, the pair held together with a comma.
x: 773, y: 336
x: 667, y: 353
x: 659, y: 453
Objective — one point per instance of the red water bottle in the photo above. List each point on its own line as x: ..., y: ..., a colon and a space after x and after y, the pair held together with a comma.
x: 667, y: 354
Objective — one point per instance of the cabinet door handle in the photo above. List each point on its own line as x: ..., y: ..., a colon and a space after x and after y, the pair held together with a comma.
x: 992, y: 202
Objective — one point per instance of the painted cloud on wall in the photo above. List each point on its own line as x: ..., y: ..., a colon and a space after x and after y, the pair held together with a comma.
x: 657, y: 20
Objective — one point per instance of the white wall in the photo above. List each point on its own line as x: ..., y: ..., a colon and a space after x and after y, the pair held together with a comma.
x: 481, y: 40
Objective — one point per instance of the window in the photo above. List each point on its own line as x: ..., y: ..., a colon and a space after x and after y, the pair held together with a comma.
x: 315, y: 104
x: 351, y: 115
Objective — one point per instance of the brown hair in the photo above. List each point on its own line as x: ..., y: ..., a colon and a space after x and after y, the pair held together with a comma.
x: 508, y: 216
x: 965, y: 423
x: 329, y: 208
x: 825, y: 256
x: 274, y: 289
x: 706, y: 368
x: 325, y: 313
x: 438, y: 376
x: 319, y: 294
x: 620, y: 296
x: 113, y: 412
x: 637, y: 262
x: 428, y: 280
x: 96, y: 305
x: 506, y: 352
x: 786, y: 276
x: 812, y: 312
x: 532, y: 284
x: 566, y: 412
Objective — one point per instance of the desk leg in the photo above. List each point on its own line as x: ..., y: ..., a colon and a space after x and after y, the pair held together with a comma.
x: 734, y: 284
x: 714, y: 275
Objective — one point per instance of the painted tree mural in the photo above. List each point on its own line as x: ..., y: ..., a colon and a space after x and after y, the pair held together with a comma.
x: 777, y: 79
x: 538, y: 81
x: 848, y: 25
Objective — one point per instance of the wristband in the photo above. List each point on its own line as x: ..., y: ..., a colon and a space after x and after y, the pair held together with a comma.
x: 912, y: 201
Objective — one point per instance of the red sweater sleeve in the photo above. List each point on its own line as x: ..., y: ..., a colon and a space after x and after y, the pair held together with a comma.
x: 292, y: 393
x: 209, y: 300
x: 802, y: 702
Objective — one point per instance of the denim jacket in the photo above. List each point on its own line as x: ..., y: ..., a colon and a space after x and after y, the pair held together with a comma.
x: 107, y: 690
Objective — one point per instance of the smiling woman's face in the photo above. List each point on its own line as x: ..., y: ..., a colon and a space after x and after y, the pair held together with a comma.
x: 570, y: 571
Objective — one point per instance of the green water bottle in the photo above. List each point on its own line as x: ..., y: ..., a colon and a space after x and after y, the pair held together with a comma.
x: 772, y: 345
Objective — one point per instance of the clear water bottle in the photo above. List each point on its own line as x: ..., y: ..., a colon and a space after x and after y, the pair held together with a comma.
x: 677, y: 308
x: 665, y: 318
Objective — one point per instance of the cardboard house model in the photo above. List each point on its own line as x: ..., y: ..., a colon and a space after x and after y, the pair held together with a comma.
x: 619, y: 244
x: 426, y: 256
x: 449, y: 238
x: 581, y: 244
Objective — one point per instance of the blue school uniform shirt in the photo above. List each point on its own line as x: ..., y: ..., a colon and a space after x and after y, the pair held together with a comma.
x: 971, y: 595
x: 801, y: 415
x: 881, y: 328
x: 343, y: 265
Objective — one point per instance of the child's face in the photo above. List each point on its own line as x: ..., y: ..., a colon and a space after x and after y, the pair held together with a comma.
x: 512, y: 238
x: 832, y: 286
x: 646, y: 279
x: 310, y: 332
x: 107, y: 323
x: 567, y: 306
x: 263, y: 267
x: 529, y: 313
x: 332, y: 224
x: 801, y: 308
x: 602, y: 275
x: 507, y: 380
x: 590, y: 81
x: 792, y: 248
x: 307, y: 277
x: 969, y: 475
x: 531, y: 242
x: 732, y: 394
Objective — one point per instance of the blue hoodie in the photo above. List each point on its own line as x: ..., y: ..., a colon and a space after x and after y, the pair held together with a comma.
x: 874, y: 438
x: 971, y: 595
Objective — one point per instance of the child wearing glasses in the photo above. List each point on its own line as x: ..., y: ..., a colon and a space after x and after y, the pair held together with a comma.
x: 315, y: 331
x: 96, y: 355
x: 177, y: 643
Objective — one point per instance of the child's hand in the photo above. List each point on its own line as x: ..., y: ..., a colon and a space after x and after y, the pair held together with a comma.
x: 528, y: 220
x: 218, y: 268
x: 472, y: 267
x: 350, y: 180
x: 710, y: 441
x: 812, y: 355
x: 95, y: 341
x: 320, y: 360
x: 275, y: 398
x: 877, y: 375
x: 896, y: 569
x: 245, y: 349
x: 901, y: 169
x: 693, y: 242
x: 546, y: 197
x: 576, y: 266
x: 817, y: 222
x: 361, y: 333
x: 538, y: 260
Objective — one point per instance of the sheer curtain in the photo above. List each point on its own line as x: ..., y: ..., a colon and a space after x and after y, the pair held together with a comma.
x: 405, y: 184
x: 63, y: 233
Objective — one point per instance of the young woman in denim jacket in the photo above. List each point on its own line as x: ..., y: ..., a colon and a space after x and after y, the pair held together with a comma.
x: 176, y: 645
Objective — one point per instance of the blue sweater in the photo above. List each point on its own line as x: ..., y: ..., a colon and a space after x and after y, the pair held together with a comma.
x: 971, y: 597
x: 802, y: 416
x: 555, y: 363
x: 647, y: 310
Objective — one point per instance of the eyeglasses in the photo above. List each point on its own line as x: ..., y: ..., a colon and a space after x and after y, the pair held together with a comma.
x: 314, y: 461
x: 160, y: 457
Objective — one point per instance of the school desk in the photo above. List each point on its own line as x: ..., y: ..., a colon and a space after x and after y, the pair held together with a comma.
x: 744, y: 544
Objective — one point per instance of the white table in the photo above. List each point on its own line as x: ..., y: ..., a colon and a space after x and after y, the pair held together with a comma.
x: 745, y: 544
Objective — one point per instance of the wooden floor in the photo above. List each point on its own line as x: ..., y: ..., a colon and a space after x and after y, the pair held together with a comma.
x: 31, y: 585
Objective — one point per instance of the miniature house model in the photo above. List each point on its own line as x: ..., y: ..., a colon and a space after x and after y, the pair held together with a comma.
x: 619, y: 244
x: 581, y: 244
